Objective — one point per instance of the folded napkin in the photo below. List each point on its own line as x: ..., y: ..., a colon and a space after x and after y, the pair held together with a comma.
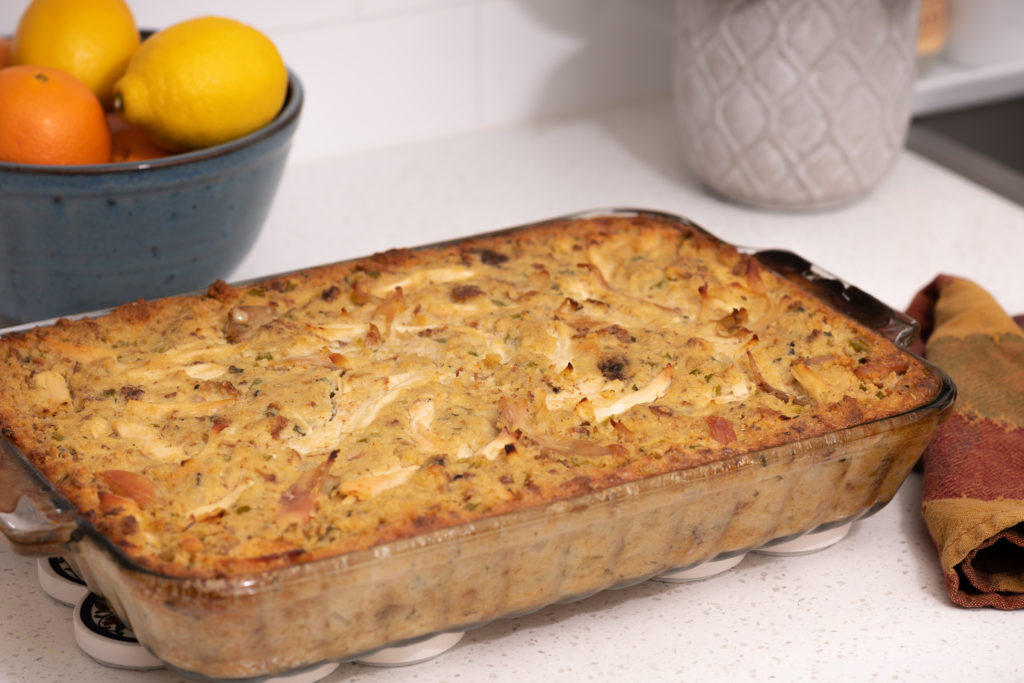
x: 974, y: 469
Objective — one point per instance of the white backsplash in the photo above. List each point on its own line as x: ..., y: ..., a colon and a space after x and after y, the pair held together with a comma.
x: 384, y: 72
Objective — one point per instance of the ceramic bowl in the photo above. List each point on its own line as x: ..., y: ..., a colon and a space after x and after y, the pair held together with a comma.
x: 81, y: 238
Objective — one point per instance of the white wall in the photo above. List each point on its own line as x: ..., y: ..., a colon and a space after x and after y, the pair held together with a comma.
x: 383, y: 72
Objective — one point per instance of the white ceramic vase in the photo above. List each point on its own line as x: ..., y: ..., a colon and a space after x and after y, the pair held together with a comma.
x: 794, y: 104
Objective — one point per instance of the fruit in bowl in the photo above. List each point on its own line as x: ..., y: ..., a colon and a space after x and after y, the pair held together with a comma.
x: 202, y: 82
x: 91, y: 40
x: 198, y: 83
x: 48, y: 116
x: 82, y: 237
x: 146, y: 212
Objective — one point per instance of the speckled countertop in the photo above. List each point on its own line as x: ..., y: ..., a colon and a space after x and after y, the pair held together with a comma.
x: 870, y: 608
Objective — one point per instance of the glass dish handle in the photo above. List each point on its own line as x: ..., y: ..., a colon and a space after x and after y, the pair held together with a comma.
x: 853, y: 302
x: 34, y: 517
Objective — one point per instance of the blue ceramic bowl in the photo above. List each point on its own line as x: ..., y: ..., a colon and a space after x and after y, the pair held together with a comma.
x: 82, y: 238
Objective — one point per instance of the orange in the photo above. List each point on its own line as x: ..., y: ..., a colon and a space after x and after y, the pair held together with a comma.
x: 131, y: 143
x: 50, y: 117
x: 6, y: 47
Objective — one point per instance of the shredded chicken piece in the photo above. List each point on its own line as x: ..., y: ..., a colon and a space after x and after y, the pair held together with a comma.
x: 299, y: 500
x: 421, y: 277
x: 495, y: 447
x: 773, y: 313
x: 649, y: 393
x: 220, y: 505
x: 396, y: 384
x: 205, y: 371
x: 514, y: 413
x: 96, y: 427
x: 243, y: 321
x: 392, y: 305
x: 732, y: 324
x: 608, y: 288
x: 589, y: 388
x: 373, y: 484
x: 753, y: 276
x: 53, y: 386
x: 562, y: 357
x: 329, y: 436
x: 132, y: 485
x: 342, y: 332
x: 421, y: 418
x: 814, y: 385
x: 148, y: 440
x: 763, y: 385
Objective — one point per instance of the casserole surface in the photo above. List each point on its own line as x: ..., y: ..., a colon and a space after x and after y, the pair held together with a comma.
x: 530, y: 416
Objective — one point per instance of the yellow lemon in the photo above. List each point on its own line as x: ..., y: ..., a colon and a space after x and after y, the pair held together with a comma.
x: 90, y: 39
x: 202, y: 82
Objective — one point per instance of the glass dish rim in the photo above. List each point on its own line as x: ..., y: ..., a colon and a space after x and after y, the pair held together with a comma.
x: 75, y: 528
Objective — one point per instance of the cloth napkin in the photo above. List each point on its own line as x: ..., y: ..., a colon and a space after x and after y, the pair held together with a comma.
x: 974, y: 469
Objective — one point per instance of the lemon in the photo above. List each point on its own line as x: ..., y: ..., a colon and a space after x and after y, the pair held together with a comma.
x: 90, y: 39
x: 202, y: 82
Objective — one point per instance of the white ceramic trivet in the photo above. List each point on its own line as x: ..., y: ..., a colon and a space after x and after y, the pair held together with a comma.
x: 105, y: 638
x: 808, y: 543
x: 414, y: 653
x: 313, y: 675
x: 60, y: 581
x: 704, y: 570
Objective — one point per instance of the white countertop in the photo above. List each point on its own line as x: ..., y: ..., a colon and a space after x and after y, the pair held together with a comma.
x: 871, y: 607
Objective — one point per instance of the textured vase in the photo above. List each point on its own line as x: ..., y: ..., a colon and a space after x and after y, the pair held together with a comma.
x: 794, y: 104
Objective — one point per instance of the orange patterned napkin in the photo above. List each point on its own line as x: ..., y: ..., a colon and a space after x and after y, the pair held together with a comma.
x: 974, y: 469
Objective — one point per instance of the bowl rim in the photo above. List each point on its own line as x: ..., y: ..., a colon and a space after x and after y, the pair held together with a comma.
x: 288, y: 113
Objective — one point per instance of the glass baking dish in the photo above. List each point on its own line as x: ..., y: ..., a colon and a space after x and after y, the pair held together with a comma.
x: 343, y: 607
